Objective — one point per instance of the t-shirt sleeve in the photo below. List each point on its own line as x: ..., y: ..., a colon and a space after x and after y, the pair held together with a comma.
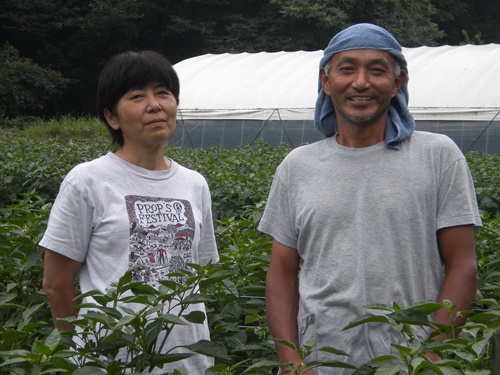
x: 277, y: 218
x: 70, y: 223
x: 457, y: 202
x: 208, y: 247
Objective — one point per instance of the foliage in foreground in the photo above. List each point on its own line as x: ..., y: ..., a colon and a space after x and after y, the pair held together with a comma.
x: 30, y: 174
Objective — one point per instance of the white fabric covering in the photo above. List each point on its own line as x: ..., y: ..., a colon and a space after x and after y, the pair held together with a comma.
x: 446, y: 83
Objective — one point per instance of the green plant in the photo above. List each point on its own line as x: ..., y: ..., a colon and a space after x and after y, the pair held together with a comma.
x: 24, y: 316
x: 40, y: 166
x: 486, y: 176
x: 24, y: 85
x: 34, y: 162
x: 237, y: 312
x: 67, y: 129
x: 469, y: 353
x: 108, y: 326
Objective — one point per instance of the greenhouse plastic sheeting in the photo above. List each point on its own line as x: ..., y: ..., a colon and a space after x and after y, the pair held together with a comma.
x: 230, y: 100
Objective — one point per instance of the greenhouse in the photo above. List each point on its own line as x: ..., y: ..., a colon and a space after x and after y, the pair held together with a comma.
x: 230, y: 100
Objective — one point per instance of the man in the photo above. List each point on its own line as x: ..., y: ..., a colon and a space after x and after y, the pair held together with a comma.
x: 371, y: 214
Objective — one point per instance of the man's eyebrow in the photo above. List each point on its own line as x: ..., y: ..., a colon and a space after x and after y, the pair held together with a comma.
x: 353, y: 60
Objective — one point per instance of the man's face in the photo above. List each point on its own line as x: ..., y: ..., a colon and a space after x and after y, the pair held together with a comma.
x: 361, y: 85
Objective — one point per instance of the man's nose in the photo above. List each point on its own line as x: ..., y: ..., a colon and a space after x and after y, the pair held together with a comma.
x: 361, y: 80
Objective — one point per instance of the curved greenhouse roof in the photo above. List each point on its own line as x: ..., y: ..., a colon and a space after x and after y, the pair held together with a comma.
x: 230, y: 100
x: 447, y: 82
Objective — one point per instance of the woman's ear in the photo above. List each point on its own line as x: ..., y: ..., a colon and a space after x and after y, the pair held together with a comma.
x: 111, y: 119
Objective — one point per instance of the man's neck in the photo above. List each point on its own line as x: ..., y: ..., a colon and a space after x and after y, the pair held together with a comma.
x: 360, y: 136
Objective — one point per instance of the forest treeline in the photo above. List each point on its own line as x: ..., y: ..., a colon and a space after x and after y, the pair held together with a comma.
x: 51, y: 51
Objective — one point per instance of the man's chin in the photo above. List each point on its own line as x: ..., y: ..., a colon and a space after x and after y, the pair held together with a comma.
x: 362, y: 120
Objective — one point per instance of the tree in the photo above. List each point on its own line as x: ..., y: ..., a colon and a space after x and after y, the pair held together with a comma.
x: 24, y: 86
x: 76, y: 38
x: 468, y: 21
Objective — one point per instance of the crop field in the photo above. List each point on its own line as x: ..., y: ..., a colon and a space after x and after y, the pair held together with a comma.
x: 33, y: 162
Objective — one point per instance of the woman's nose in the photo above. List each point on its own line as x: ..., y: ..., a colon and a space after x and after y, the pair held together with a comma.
x: 153, y: 104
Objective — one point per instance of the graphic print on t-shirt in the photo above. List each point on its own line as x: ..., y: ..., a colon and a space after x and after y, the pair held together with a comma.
x: 161, y: 235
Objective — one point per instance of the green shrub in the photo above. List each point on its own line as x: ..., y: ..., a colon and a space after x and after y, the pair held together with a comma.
x: 486, y: 175
x: 32, y: 165
x: 24, y: 85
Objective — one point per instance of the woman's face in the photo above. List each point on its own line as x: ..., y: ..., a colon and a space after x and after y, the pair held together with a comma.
x: 146, y: 116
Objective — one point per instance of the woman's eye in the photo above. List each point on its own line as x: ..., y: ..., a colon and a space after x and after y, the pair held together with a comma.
x: 135, y: 95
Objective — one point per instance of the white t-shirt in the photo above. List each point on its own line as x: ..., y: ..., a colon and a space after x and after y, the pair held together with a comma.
x: 112, y: 215
x: 364, y: 223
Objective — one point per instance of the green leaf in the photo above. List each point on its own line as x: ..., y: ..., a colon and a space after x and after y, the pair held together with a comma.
x: 427, y: 307
x: 383, y: 358
x: 170, y: 318
x: 195, y: 317
x: 7, y: 297
x: 126, y: 320
x: 415, y: 317
x: 367, y: 318
x: 332, y: 350
x: 287, y: 343
x: 53, y: 340
x: 262, y: 365
x: 209, y: 348
x: 89, y: 370
x: 13, y: 361
x: 98, y: 317
x: 196, y: 298
x: 161, y: 359
x: 338, y: 364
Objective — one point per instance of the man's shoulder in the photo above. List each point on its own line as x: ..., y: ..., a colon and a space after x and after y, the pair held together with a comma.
x: 426, y: 136
x: 430, y: 140
x: 307, y: 149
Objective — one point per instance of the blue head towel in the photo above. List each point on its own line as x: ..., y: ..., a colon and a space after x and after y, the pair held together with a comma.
x: 400, y: 123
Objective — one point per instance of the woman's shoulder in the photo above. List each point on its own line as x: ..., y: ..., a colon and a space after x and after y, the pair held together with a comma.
x: 188, y: 172
x: 92, y: 168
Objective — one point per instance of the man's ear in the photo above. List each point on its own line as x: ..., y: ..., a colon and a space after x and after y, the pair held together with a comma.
x: 323, y: 77
x: 111, y: 119
x: 399, y: 82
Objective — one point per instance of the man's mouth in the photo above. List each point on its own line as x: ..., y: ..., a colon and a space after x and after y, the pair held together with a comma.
x: 360, y: 98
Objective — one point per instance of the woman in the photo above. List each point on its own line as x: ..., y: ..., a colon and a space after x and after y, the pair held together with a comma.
x: 133, y: 207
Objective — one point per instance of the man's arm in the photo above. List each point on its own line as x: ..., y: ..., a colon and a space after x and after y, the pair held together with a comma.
x: 58, y: 283
x: 456, y: 245
x: 282, y: 301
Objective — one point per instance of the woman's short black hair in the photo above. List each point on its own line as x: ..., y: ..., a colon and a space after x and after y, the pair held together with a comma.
x: 131, y: 70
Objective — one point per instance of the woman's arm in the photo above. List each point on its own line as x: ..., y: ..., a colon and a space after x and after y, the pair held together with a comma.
x: 58, y: 282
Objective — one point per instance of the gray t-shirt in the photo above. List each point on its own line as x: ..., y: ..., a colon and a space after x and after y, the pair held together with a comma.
x: 364, y: 223
x: 111, y: 216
